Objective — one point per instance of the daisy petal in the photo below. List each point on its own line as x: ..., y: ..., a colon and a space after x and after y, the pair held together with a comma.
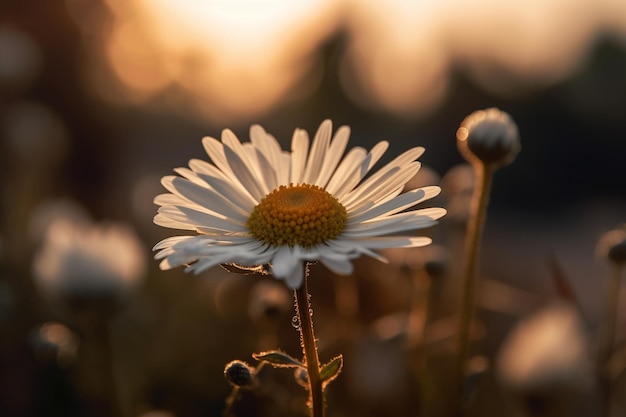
x: 343, y: 174
x: 215, y: 149
x: 356, y: 175
x: 257, y: 189
x: 398, y: 163
x: 319, y: 150
x: 299, y: 151
x: 411, y: 220
x: 296, y: 277
x: 166, y: 221
x: 397, y: 204
x: 379, y: 186
x: 386, y: 242
x: 169, y: 200
x: 266, y: 144
x: 334, y: 154
x: 225, y: 188
x: 167, y: 242
x: 288, y: 266
x: 339, y: 265
x: 203, y: 167
x: 204, y: 197
x: 201, y: 219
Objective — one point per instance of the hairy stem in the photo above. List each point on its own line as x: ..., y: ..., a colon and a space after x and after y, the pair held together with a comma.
x: 309, y: 347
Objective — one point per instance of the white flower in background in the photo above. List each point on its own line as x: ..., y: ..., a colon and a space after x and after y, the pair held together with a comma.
x: 257, y: 204
x: 548, y: 349
x: 79, y: 259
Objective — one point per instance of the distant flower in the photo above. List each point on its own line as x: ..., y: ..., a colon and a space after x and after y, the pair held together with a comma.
x: 257, y: 204
x: 83, y: 262
x: 548, y: 349
x: 489, y: 136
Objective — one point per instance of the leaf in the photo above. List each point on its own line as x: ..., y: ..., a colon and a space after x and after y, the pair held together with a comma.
x: 331, y: 370
x: 246, y: 270
x: 278, y: 359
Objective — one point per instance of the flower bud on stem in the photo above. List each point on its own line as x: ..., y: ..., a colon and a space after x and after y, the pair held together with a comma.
x: 487, y: 139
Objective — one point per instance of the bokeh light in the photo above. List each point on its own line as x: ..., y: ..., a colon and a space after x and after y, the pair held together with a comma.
x: 226, y: 60
x: 220, y: 59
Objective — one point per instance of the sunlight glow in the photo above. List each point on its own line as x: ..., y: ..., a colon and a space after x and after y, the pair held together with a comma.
x: 237, y: 59
x: 233, y: 58
x: 403, y: 52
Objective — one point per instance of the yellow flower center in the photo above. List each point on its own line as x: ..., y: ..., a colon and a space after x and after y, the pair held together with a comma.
x: 304, y: 215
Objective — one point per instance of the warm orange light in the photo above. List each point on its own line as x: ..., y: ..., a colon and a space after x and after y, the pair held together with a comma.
x: 403, y: 51
x: 234, y: 59
x: 397, y: 56
x: 230, y: 58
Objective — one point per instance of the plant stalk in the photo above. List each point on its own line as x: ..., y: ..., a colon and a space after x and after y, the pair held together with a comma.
x: 475, y: 226
x: 608, y: 341
x: 309, y: 348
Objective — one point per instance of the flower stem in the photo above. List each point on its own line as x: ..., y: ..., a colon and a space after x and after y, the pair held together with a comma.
x: 309, y: 348
x: 606, y: 348
x: 475, y: 226
x: 98, y: 333
x: 611, y: 312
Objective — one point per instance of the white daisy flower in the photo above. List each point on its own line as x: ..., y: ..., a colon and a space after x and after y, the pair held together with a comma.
x: 81, y: 261
x: 257, y: 204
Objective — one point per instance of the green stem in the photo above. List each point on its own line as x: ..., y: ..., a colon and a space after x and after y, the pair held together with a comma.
x: 309, y: 347
x: 475, y: 226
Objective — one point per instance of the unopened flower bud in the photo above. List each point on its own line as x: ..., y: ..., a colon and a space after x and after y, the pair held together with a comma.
x: 488, y: 136
x: 240, y: 374
x: 612, y: 246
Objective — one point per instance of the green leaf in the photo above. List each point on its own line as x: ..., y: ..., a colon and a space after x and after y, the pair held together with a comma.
x: 331, y: 370
x: 278, y: 359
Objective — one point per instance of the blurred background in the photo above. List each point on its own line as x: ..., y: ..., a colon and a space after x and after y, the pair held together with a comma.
x: 101, y: 98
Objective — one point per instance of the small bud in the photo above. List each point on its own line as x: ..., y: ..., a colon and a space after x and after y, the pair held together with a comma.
x: 612, y: 246
x: 240, y: 374
x: 489, y: 136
